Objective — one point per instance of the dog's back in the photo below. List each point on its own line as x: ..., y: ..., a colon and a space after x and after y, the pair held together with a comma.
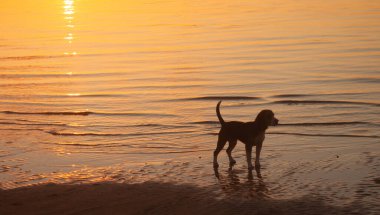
x: 236, y: 130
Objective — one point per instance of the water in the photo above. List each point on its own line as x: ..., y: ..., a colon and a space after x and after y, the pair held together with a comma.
x: 93, y: 90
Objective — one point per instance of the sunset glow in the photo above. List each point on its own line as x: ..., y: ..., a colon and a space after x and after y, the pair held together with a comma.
x: 189, y: 107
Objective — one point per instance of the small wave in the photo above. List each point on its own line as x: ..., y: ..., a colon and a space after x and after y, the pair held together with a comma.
x: 160, y: 125
x: 310, y: 95
x: 86, y: 113
x: 366, y: 80
x: 289, y: 102
x: 205, y: 122
x: 82, y: 113
x: 79, y: 144
x: 34, y: 124
x: 26, y: 67
x: 148, y: 152
x: 182, y: 151
x: 32, y: 57
x: 57, y: 133
x: 76, y: 96
x: 325, y: 135
x: 187, y: 68
x: 325, y: 123
x: 96, y: 95
x: 290, y: 95
x: 297, y: 124
x: 10, y: 123
x: 20, y: 129
x: 117, y: 145
x: 222, y: 98
x: 28, y: 123
x: 314, y: 135
x: 136, y: 114
x: 53, y: 75
x: 148, y: 125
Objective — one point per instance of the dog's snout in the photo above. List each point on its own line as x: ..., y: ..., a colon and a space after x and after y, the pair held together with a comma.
x: 275, y: 121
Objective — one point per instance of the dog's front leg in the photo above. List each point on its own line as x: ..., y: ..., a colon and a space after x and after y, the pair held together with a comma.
x: 258, y: 151
x: 248, y: 151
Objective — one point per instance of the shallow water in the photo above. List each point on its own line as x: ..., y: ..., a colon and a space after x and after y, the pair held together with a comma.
x: 126, y: 91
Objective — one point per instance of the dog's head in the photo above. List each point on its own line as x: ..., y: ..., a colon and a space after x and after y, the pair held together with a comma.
x: 266, y: 118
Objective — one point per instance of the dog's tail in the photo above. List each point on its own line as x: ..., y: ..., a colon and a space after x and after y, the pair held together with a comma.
x: 218, y: 113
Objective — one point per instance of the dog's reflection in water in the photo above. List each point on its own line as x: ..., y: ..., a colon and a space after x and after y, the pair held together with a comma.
x: 237, y: 182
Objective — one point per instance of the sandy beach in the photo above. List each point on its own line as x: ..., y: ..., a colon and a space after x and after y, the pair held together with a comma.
x: 153, y: 198
x: 194, y: 187
x: 109, y: 107
x: 312, y: 176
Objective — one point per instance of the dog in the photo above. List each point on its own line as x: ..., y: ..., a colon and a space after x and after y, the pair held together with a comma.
x: 249, y: 133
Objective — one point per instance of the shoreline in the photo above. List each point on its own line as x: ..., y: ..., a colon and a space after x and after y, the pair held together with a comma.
x: 289, y: 183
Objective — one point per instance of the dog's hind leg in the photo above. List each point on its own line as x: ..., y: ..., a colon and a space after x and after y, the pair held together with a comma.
x: 221, y: 142
x: 258, y: 151
x: 231, y: 146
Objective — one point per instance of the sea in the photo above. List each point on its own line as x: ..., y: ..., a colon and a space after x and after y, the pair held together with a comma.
x: 125, y: 91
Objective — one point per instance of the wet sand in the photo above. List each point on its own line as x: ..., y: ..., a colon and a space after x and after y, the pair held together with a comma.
x: 194, y: 187
x: 310, y: 178
x: 152, y: 198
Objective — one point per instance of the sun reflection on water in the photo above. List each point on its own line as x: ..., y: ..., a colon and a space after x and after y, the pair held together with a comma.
x: 73, y: 94
x: 69, y: 11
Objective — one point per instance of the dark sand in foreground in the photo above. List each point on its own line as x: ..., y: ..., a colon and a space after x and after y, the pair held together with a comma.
x: 151, y: 198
